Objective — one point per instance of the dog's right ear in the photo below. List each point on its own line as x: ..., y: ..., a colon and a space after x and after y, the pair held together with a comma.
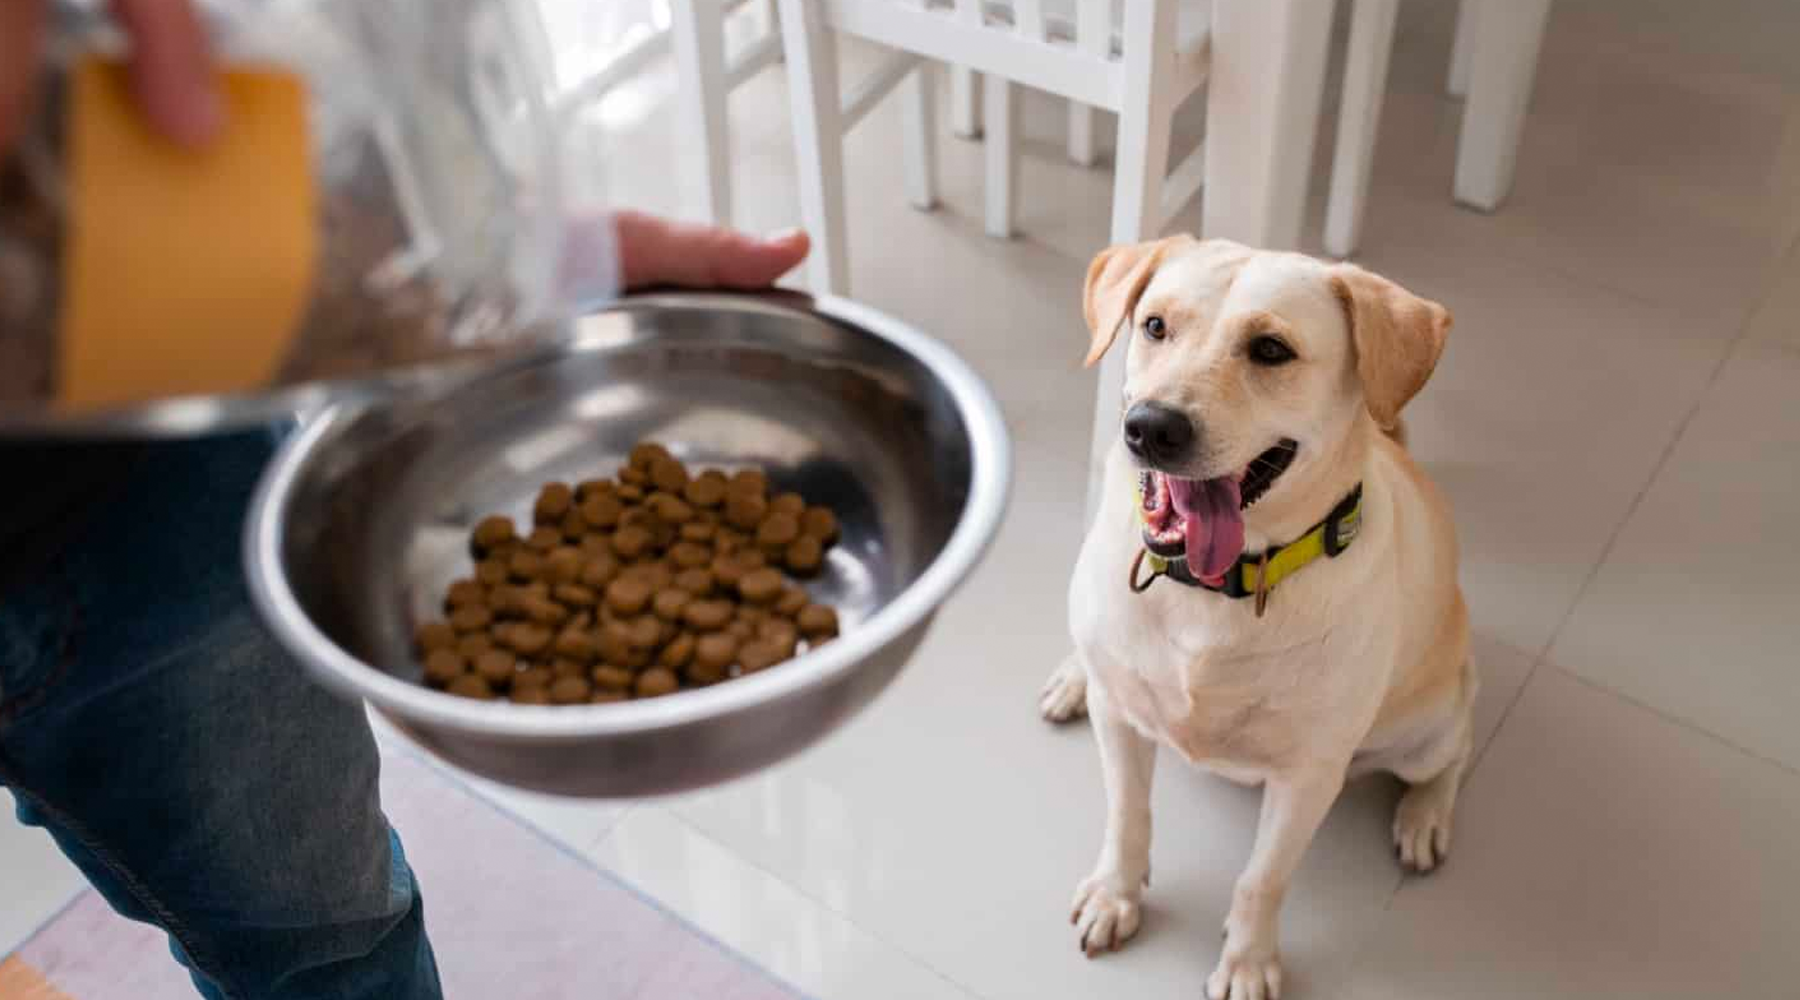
x: 1115, y: 280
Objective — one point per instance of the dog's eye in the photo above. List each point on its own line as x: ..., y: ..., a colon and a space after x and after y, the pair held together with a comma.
x: 1270, y: 351
x: 1154, y: 328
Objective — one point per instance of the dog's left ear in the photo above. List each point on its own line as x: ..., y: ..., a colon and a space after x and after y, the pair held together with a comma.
x: 1115, y: 280
x: 1398, y: 338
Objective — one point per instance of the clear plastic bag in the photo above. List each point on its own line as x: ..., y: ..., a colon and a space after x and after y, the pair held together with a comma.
x: 453, y: 220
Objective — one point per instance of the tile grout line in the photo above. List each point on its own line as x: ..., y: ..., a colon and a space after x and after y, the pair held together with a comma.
x: 809, y: 897
x: 1676, y: 720
x: 1612, y: 540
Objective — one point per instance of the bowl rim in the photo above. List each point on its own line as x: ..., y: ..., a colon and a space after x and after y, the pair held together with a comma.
x: 990, y: 453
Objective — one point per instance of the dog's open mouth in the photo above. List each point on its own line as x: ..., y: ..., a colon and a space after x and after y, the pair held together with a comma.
x: 1202, y: 520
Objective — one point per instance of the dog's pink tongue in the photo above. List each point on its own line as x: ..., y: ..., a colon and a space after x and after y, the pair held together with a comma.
x: 1215, y: 528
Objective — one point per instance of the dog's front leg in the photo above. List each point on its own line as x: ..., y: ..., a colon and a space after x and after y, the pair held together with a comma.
x: 1108, y: 902
x: 1293, y: 806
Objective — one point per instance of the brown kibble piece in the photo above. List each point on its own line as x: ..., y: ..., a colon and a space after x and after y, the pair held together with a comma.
x: 678, y: 652
x: 647, y: 454
x: 759, y: 654
x: 820, y: 523
x: 496, y: 666
x: 698, y: 582
x: 627, y: 595
x: 804, y: 556
x: 465, y: 592
x: 587, y: 489
x: 535, y: 676
x: 668, y: 475
x: 491, y: 533
x: 750, y: 482
x: 698, y: 531
x: 716, y: 650
x: 574, y: 595
x: 544, y: 538
x: 777, y: 532
x: 631, y: 542
x: 669, y: 602
x: 553, y: 501
x: 707, y: 490
x: 433, y: 636
x: 578, y: 646
x: 526, y: 564
x: 599, y: 571
x: 655, y: 682
x: 491, y: 572
x: 612, y: 678
x: 529, y: 695
x: 471, y: 686
x: 791, y: 504
x: 817, y: 621
x: 560, y: 668
x: 707, y: 616
x: 671, y: 509
x: 475, y: 643
x: 646, y: 632
x: 745, y: 511
x: 608, y: 697
x: 574, y: 529
x: 444, y: 665
x: 760, y: 586
x: 781, y: 632
x: 570, y: 690
x: 602, y: 513
x: 544, y: 611
x: 790, y: 602
x: 563, y: 565
x: 751, y: 613
x: 630, y: 492
x: 528, y: 640
x: 471, y: 618
x: 741, y: 629
x: 637, y: 478
x: 690, y: 555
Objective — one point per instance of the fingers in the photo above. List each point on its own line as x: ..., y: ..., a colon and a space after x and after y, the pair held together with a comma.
x: 172, y: 69
x: 655, y: 251
x: 21, y: 32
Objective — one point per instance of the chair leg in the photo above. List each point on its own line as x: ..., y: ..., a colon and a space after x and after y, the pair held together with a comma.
x: 1462, y: 49
x: 1140, y: 163
x: 1501, y: 69
x: 818, y: 140
x: 1359, y: 121
x: 698, y: 34
x: 1001, y: 110
x: 965, y: 102
x: 920, y: 110
x: 1081, y: 134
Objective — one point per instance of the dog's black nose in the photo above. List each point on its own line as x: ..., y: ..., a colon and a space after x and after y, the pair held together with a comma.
x: 1161, y: 435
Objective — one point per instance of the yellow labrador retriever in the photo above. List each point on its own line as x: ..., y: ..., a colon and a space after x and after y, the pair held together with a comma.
x: 1269, y: 587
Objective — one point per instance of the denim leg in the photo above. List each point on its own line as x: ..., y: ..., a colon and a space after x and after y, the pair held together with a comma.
x: 187, y: 765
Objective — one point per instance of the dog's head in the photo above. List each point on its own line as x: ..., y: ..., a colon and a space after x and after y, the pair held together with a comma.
x: 1253, y: 377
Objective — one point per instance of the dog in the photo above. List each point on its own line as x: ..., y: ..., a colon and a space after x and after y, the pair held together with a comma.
x: 1269, y: 587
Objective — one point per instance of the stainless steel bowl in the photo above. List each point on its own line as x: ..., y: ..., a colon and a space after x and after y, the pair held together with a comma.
x: 363, y: 519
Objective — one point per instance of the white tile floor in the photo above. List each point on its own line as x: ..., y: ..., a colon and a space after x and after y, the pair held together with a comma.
x: 1618, y: 423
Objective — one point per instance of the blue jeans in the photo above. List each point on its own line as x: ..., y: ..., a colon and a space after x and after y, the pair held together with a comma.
x: 198, y: 779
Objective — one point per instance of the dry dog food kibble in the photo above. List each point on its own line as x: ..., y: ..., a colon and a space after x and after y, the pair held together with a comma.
x: 632, y: 587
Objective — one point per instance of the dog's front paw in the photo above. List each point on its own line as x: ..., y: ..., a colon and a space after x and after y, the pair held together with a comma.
x: 1064, y: 696
x: 1250, y: 973
x: 1106, y: 912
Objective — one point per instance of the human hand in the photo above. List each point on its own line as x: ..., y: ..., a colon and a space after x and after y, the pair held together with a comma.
x: 655, y: 251
x: 170, y: 62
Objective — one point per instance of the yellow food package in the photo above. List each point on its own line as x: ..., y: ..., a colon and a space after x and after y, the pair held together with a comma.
x: 185, y: 271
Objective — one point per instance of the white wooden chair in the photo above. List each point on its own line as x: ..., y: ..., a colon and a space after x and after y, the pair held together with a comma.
x: 1140, y: 68
x: 1492, y: 63
x: 706, y: 75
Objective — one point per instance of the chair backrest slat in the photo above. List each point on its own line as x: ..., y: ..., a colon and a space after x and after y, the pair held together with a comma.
x: 969, y: 11
x: 1093, y: 27
x: 1028, y: 18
